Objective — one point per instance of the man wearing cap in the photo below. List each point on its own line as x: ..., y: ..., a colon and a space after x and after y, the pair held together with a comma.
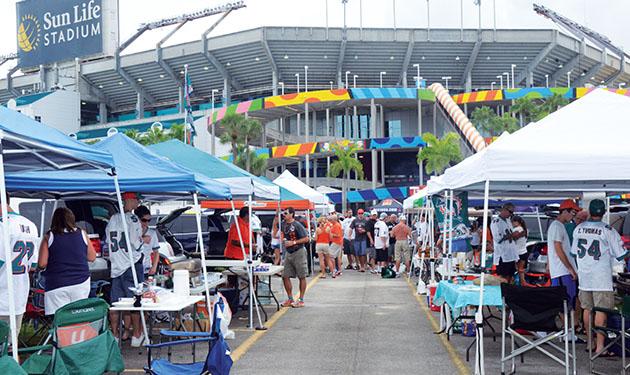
x: 359, y: 226
x: 121, y: 272
x: 381, y: 241
x: 348, y: 238
x: 402, y: 252
x: 596, y: 246
x: 295, y: 262
x: 562, y: 268
x: 504, y: 238
x: 371, y: 250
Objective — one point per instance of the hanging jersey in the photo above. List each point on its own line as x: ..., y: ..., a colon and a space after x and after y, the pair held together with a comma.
x: 24, y: 246
x: 596, y: 246
x: 117, y: 243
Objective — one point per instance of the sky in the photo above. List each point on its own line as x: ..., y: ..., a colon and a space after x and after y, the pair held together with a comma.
x: 604, y: 16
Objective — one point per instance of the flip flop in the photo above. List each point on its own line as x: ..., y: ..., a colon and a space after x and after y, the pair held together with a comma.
x: 608, y: 354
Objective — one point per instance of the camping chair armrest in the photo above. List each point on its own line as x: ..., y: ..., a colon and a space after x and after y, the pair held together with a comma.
x: 34, y: 349
x: 178, y: 342
x: 607, y: 311
x: 167, y: 333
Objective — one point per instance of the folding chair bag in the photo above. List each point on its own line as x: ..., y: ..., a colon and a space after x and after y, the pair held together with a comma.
x: 7, y: 363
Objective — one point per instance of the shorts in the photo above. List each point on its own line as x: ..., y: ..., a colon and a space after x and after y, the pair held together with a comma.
x: 334, y: 250
x: 18, y: 323
x: 295, y: 264
x: 371, y: 252
x: 381, y: 255
x: 275, y: 246
x: 348, y: 247
x: 57, y: 298
x: 321, y: 248
x: 570, y: 285
x: 601, y: 299
x: 390, y: 249
x: 360, y: 248
x: 506, y: 269
x: 402, y: 251
x: 120, y: 285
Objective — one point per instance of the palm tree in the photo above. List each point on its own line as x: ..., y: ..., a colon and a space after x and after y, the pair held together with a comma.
x: 505, y: 123
x: 257, y: 165
x: 154, y: 135
x: 551, y: 105
x: 527, y: 109
x: 177, y: 132
x: 439, y: 153
x: 482, y: 118
x: 237, y: 129
x: 134, y: 134
x: 345, y: 163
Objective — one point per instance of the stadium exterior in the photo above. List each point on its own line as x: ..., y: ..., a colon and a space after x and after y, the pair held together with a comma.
x: 252, y: 69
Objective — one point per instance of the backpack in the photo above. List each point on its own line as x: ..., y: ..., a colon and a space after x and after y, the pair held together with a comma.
x: 388, y: 273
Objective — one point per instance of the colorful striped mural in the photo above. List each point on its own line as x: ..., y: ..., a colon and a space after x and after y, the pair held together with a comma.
x: 384, y: 93
x: 478, y: 96
x: 306, y: 97
x: 358, y: 196
x: 537, y: 93
x: 325, y: 146
x: 581, y: 91
x: 240, y: 108
x: 297, y: 149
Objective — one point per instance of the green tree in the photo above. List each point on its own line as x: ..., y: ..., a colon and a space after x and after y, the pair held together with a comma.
x: 527, y: 110
x: 239, y: 130
x: 177, y: 132
x: 134, y: 135
x: 154, y: 135
x: 505, y: 123
x: 344, y: 165
x: 552, y: 104
x: 258, y: 164
x: 438, y: 154
x: 482, y: 118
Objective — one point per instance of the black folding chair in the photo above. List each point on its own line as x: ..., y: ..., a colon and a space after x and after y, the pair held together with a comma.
x: 536, y: 310
x: 616, y: 336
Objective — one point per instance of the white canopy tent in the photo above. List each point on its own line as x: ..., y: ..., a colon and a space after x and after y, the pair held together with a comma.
x: 576, y: 149
x: 288, y: 181
x: 409, y: 202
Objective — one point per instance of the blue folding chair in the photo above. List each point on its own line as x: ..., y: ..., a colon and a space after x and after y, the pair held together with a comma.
x: 217, y: 362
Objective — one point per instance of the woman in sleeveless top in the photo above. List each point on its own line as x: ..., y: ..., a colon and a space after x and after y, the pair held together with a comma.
x: 65, y: 252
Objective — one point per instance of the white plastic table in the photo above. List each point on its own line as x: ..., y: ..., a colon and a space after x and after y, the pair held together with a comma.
x: 212, y: 284
x: 241, y: 272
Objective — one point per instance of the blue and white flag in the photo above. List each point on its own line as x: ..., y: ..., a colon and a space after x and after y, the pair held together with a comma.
x: 188, y: 90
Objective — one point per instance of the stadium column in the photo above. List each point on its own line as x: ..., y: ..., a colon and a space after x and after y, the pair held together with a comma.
x: 102, y: 112
x: 355, y: 123
x: 374, y: 168
x: 306, y: 133
x: 227, y: 92
x: 530, y: 79
x: 372, y: 119
x: 140, y: 106
x: 383, y: 167
x: 420, y: 176
x: 404, y: 79
x: 382, y: 123
x: 274, y: 82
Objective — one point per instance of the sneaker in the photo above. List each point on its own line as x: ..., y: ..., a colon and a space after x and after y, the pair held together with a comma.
x: 398, y: 275
x: 299, y: 303
x: 136, y: 342
x: 287, y: 303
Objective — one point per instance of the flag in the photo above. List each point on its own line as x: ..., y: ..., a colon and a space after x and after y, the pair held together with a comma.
x: 188, y: 90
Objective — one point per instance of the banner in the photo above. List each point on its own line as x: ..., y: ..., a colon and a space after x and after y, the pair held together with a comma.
x: 460, y: 214
x: 52, y: 31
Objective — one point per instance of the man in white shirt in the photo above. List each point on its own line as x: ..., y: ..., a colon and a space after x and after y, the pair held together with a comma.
x: 150, y: 242
x: 121, y: 273
x: 24, y: 242
x: 348, y: 237
x: 381, y: 241
x: 505, y: 251
x: 561, y: 264
x: 596, y: 246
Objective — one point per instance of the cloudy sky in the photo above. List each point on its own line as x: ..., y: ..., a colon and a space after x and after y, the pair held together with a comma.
x: 608, y: 17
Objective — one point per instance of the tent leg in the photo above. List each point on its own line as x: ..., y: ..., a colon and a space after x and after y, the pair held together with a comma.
x: 479, y: 356
x: 451, y: 212
x: 202, y: 250
x: 131, y: 262
x: 308, y: 244
x: 8, y: 255
x: 42, y: 221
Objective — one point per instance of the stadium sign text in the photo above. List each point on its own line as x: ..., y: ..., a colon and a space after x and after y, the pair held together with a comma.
x: 52, y: 31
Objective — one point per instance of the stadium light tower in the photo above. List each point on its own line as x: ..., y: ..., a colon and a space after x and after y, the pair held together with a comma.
x: 305, y: 78
x: 418, y: 78
x: 492, y: 85
x: 347, y: 72
x: 569, y: 79
x: 281, y: 87
x: 446, y: 80
x: 380, y: 77
x: 500, y: 77
x: 331, y: 84
x: 297, y: 76
x: 547, y: 80
x: 621, y: 85
x: 507, y: 79
x: 354, y: 81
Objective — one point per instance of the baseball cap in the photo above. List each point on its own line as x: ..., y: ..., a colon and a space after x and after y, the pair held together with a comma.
x: 131, y: 195
x: 373, y: 212
x: 360, y: 211
x: 402, y: 217
x: 508, y: 206
x: 597, y: 207
x: 383, y: 215
x: 569, y: 204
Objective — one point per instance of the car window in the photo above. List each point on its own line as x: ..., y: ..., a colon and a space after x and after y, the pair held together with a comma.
x: 33, y: 211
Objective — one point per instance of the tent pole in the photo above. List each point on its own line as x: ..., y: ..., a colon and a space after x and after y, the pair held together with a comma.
x: 542, y: 235
x: 451, y: 212
x: 608, y: 210
x: 8, y: 254
x: 432, y: 241
x: 479, y: 355
x: 43, y: 218
x: 445, y: 261
x: 202, y: 250
x: 127, y: 240
x: 250, y: 270
x: 310, y: 250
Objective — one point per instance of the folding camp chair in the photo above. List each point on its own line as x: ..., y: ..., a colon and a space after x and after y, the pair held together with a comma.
x: 616, y: 336
x: 536, y: 310
x: 217, y: 362
x: 81, y: 342
x: 7, y: 363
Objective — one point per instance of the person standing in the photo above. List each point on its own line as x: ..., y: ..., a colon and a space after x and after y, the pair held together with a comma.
x: 322, y: 241
x: 336, y: 243
x: 562, y: 268
x: 348, y: 238
x: 233, y: 249
x: 596, y: 247
x: 23, y: 238
x: 295, y: 261
x: 505, y: 253
x: 275, y: 240
x: 150, y: 242
x: 381, y: 242
x: 402, y: 252
x: 391, y: 223
x: 121, y: 272
x: 521, y: 246
x: 64, y: 253
x: 359, y: 226
x: 371, y: 250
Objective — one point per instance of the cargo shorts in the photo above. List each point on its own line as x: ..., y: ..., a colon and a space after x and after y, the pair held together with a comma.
x: 295, y: 264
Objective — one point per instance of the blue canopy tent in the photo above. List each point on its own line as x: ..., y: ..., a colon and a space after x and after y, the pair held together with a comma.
x: 27, y: 145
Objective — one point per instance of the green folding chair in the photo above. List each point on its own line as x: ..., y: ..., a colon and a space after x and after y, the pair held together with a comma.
x: 7, y: 363
x: 80, y: 342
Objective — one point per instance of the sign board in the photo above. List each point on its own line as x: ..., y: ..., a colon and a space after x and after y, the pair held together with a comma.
x: 460, y: 215
x: 62, y: 30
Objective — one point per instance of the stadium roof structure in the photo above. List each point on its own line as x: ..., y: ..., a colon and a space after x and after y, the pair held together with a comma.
x: 253, y: 61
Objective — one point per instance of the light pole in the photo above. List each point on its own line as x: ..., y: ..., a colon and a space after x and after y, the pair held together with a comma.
x: 418, y: 78
x: 354, y: 81
x: 331, y: 84
x: 281, y: 87
x: 212, y: 141
x: 380, y: 77
x: 569, y: 79
x: 305, y: 78
x: 500, y: 76
x: 297, y: 76
x: 347, y: 72
x: 344, y: 2
x: 621, y: 85
x: 492, y: 85
x: 507, y: 79
x: 446, y: 79
x: 512, y: 68
x: 547, y: 80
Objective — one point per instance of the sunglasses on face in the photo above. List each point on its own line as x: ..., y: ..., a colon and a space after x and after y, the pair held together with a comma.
x: 145, y: 220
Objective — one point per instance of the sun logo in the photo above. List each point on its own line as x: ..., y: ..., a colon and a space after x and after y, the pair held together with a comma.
x: 28, y: 33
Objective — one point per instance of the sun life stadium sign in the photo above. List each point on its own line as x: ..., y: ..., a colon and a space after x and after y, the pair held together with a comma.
x: 53, y: 31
